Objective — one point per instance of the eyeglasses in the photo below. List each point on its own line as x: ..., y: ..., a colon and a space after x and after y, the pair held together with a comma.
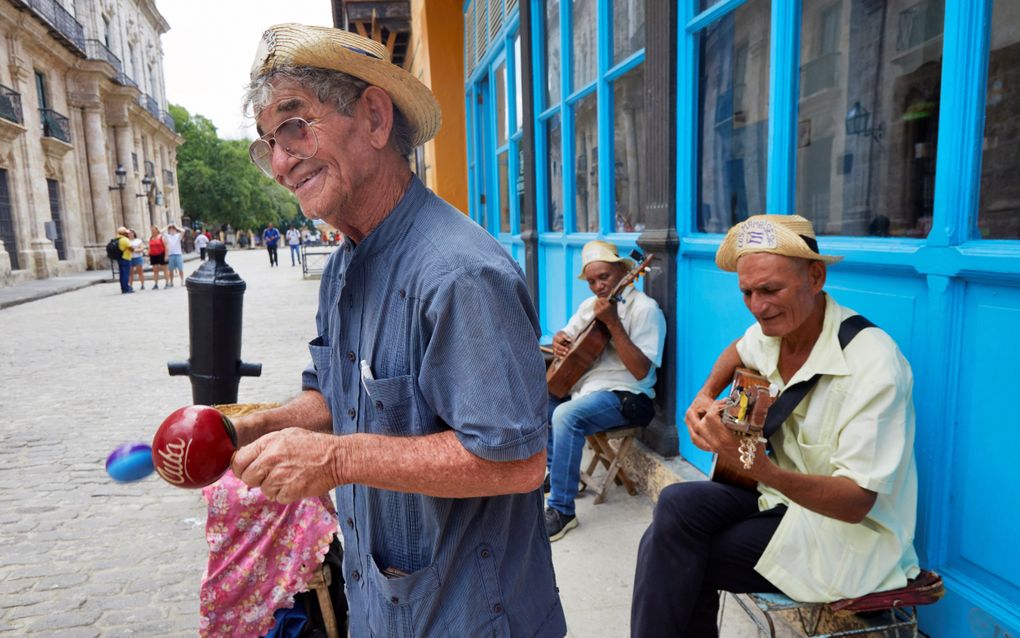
x: 295, y: 136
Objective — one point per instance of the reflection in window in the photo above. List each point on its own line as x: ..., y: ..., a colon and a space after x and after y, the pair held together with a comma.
x: 733, y: 118
x: 629, y: 137
x: 868, y: 112
x: 554, y: 172
x: 502, y: 115
x: 521, y: 217
x: 586, y: 165
x: 552, y: 52
x: 518, y: 89
x: 585, y: 45
x: 504, y: 192
x: 999, y: 213
x: 628, y: 28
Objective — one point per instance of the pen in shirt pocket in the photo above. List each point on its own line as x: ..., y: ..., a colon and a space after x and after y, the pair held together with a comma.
x: 366, y: 375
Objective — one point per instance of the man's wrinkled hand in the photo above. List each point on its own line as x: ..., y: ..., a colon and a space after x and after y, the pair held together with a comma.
x: 561, y: 344
x: 606, y: 311
x: 289, y: 465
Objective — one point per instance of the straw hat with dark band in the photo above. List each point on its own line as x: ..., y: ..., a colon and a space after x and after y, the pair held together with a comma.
x: 789, y: 235
x: 368, y: 60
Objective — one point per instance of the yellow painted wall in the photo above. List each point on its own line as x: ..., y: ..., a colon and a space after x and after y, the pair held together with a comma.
x: 436, y: 56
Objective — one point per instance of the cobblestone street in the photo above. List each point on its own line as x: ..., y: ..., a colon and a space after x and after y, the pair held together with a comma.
x: 83, y: 372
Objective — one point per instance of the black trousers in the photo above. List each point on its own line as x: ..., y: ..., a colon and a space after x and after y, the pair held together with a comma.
x: 704, y: 537
x: 273, y: 259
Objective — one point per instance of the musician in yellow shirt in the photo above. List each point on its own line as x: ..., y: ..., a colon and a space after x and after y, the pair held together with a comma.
x: 616, y: 391
x: 834, y: 512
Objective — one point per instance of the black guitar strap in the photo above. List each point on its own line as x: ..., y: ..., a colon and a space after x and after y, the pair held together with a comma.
x: 793, y: 395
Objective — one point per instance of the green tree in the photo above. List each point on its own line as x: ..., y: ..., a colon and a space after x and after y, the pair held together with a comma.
x: 217, y: 182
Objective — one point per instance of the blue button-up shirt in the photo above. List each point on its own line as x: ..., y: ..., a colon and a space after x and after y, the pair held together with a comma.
x: 441, y: 314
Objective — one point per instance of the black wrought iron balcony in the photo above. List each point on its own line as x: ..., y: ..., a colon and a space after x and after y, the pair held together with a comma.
x: 149, y: 104
x: 55, y: 125
x: 124, y: 79
x: 96, y: 50
x: 168, y: 121
x: 62, y: 24
x: 10, y: 105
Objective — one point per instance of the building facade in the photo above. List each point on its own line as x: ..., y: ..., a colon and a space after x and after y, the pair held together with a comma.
x: 86, y: 142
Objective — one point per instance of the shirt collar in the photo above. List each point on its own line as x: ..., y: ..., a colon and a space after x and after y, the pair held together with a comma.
x: 396, y: 223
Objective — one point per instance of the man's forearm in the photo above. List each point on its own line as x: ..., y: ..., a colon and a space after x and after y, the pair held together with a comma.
x: 307, y: 410
x: 833, y: 496
x: 435, y: 465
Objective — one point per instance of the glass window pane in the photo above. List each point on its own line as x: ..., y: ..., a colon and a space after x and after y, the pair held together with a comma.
x: 868, y: 112
x: 705, y: 4
x: 999, y: 214
x: 584, y: 42
x: 520, y: 188
x: 586, y: 165
x: 554, y: 173
x: 552, y: 52
x: 629, y: 143
x: 504, y: 192
x: 628, y: 28
x: 733, y: 116
x: 499, y: 76
x: 518, y: 89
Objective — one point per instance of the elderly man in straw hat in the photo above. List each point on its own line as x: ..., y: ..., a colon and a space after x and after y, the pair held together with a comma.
x: 619, y: 387
x: 834, y: 511
x: 424, y: 402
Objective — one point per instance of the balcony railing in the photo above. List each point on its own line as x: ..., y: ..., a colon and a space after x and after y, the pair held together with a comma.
x: 63, y: 25
x: 10, y: 105
x: 96, y: 50
x: 124, y: 79
x: 168, y: 121
x: 55, y: 125
x: 149, y: 104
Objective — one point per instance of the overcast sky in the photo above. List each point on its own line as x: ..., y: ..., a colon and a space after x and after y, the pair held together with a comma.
x: 209, y: 49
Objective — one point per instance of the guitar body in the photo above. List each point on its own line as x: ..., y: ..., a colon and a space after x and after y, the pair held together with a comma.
x: 564, y: 373
x: 747, y: 405
x: 724, y: 472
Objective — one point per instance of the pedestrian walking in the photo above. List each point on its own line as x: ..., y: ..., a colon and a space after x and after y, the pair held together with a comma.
x: 157, y: 258
x: 175, y: 254
x: 137, y: 259
x: 201, y: 242
x: 271, y: 238
x: 124, y: 261
x: 294, y: 241
x: 438, y: 490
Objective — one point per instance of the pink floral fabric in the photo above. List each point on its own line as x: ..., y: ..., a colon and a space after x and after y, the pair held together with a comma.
x: 261, y: 553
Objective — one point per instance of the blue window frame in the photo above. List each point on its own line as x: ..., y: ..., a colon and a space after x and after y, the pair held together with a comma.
x: 495, y: 128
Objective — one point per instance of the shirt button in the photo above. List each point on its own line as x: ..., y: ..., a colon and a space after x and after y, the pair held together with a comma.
x: 351, y: 412
x: 485, y: 553
x: 350, y: 523
x: 394, y: 600
x: 497, y: 609
x: 403, y: 293
x: 350, y: 356
x: 379, y: 406
x: 356, y: 575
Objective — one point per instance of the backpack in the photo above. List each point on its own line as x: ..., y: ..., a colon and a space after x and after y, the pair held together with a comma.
x: 113, y: 250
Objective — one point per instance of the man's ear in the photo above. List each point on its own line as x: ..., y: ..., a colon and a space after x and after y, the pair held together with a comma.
x: 379, y: 108
x: 816, y: 274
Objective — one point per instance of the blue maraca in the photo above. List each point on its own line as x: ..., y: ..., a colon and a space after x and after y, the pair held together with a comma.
x: 130, y: 462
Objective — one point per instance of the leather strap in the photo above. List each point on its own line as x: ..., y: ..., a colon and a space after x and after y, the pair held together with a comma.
x: 794, y: 394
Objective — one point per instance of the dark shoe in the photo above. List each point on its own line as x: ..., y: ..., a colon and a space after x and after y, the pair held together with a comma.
x: 547, y: 484
x: 558, y: 524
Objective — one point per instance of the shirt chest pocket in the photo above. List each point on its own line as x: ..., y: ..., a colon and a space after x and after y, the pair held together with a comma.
x: 393, y: 406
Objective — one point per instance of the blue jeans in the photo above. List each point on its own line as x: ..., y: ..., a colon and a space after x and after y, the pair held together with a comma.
x: 571, y: 422
x: 124, y: 267
x: 295, y: 251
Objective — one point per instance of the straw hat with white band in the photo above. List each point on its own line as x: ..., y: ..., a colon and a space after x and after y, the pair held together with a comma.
x: 788, y: 235
x: 368, y: 60
x: 597, y: 250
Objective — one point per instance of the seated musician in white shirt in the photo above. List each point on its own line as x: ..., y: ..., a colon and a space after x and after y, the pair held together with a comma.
x: 616, y: 391
x: 834, y: 511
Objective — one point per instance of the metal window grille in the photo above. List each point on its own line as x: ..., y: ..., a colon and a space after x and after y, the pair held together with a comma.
x: 55, y: 214
x: 7, y: 234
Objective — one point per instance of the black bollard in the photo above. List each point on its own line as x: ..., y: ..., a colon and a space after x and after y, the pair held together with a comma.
x: 215, y: 299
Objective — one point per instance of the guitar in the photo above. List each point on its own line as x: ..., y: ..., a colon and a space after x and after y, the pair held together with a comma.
x: 564, y: 371
x: 747, y: 405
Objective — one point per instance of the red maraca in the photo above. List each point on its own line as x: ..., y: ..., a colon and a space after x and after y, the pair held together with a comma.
x: 193, y: 447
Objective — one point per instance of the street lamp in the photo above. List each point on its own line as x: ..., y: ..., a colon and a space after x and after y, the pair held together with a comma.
x: 121, y: 175
x: 857, y: 120
x: 146, y: 186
